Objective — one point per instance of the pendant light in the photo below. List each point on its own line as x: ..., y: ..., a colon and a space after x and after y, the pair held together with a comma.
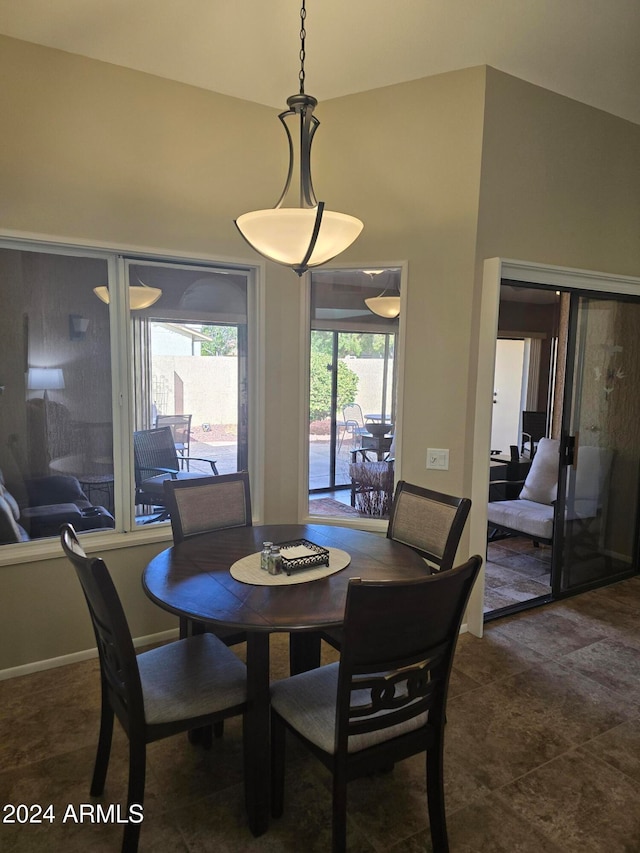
x: 307, y: 235
x: 383, y: 306
x: 140, y: 296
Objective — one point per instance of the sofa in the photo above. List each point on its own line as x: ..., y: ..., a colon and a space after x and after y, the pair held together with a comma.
x: 45, y: 503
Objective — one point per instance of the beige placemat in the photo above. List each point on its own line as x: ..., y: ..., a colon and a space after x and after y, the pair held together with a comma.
x: 247, y: 570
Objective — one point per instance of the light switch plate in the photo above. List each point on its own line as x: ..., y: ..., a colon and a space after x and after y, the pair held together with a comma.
x: 437, y: 458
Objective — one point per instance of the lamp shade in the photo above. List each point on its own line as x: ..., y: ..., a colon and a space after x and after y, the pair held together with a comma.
x: 140, y: 296
x: 384, y: 306
x: 285, y: 234
x: 45, y: 379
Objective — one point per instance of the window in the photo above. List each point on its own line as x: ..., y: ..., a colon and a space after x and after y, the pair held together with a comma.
x: 352, y: 393
x: 56, y: 427
x: 190, y: 367
x: 187, y: 360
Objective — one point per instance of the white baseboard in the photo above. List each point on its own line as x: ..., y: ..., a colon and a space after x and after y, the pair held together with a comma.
x: 75, y: 657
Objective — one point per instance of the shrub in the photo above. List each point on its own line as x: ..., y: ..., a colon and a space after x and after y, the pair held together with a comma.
x: 320, y: 381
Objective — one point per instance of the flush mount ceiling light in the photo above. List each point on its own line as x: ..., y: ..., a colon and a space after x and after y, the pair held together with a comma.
x: 140, y: 296
x: 307, y: 235
x: 383, y: 306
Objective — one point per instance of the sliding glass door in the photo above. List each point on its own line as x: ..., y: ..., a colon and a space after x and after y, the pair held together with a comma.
x: 596, y: 527
x: 351, y: 385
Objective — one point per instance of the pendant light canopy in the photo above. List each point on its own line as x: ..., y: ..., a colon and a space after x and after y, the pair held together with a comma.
x: 307, y: 235
x: 140, y: 296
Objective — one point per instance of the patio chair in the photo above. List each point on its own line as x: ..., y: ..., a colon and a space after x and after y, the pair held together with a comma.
x: 352, y: 424
x: 155, y: 461
x: 184, y: 685
x: 180, y: 426
x: 385, y: 700
x: 532, y: 514
x: 371, y: 482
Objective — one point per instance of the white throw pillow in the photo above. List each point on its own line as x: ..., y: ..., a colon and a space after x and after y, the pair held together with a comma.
x: 541, y: 485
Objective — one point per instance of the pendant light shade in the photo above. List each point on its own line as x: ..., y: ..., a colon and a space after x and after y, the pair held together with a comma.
x: 140, y: 296
x: 305, y: 234
x: 384, y: 306
x: 286, y: 234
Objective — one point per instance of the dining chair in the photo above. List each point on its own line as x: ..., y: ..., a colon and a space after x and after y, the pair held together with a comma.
x: 429, y: 522
x: 385, y: 700
x: 184, y: 685
x: 202, y: 506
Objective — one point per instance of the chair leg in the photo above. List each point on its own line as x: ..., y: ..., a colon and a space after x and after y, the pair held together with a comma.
x: 135, y: 795
x: 278, y: 745
x: 104, y: 747
x: 339, y: 821
x: 435, y: 796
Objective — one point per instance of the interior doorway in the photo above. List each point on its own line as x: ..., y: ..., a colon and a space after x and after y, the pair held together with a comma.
x: 587, y: 371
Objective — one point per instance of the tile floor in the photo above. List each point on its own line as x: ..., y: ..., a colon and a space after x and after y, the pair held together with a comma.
x: 515, y: 571
x: 542, y: 754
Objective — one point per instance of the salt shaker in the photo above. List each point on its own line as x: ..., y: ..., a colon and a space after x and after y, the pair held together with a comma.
x: 275, y: 561
x: 264, y: 555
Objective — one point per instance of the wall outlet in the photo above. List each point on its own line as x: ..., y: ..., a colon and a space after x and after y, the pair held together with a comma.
x: 437, y: 458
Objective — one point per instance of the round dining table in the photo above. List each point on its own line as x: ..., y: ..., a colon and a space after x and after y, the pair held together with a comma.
x: 193, y: 580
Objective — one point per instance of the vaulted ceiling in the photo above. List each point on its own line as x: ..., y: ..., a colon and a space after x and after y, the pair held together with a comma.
x: 585, y: 49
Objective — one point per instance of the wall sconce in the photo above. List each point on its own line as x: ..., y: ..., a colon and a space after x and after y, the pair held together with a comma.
x: 78, y: 326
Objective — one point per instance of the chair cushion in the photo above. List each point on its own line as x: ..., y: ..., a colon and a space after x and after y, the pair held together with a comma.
x: 189, y: 678
x: 154, y: 486
x: 534, y: 519
x: 308, y: 703
x: 541, y: 485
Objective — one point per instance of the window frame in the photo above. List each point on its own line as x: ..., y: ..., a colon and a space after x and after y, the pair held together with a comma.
x: 361, y: 523
x: 117, y: 258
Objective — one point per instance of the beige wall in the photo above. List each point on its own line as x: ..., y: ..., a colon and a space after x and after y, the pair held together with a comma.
x: 407, y: 159
x: 101, y: 153
x: 560, y: 181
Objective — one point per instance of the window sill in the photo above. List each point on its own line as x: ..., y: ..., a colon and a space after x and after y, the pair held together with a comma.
x: 47, y: 549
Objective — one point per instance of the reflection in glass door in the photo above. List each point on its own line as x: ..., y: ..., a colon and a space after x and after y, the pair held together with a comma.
x: 599, y: 484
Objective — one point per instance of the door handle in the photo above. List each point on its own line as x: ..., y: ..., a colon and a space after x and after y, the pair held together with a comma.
x: 568, y: 452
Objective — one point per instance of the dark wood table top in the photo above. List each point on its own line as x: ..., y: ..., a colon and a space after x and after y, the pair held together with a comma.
x: 193, y: 579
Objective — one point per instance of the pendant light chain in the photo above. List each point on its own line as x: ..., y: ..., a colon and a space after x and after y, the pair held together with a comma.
x: 303, y: 35
x: 306, y: 234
